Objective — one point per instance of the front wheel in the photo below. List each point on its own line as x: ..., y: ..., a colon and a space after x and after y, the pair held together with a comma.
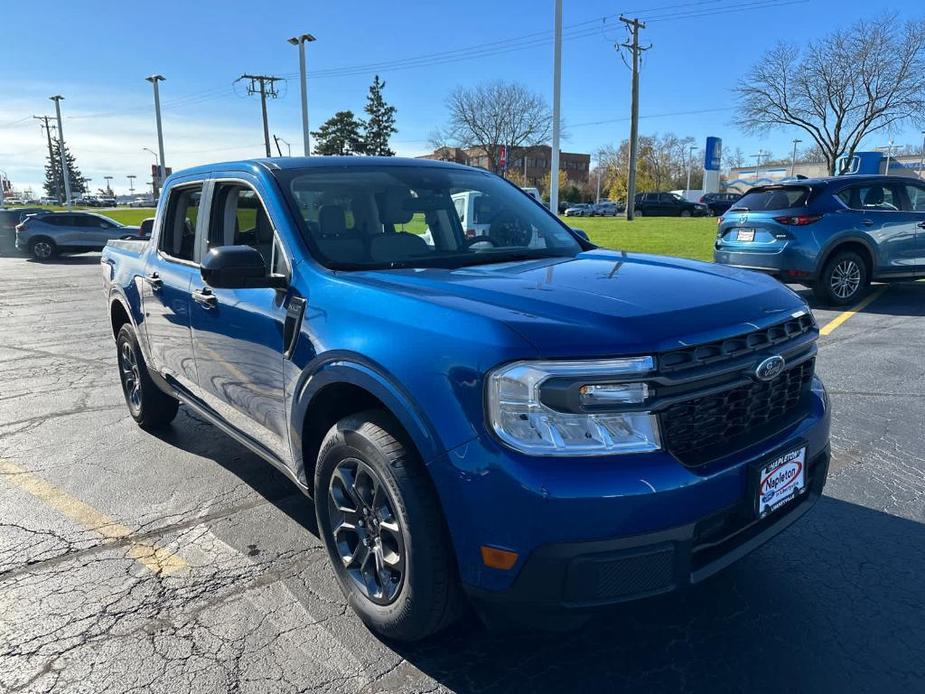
x: 43, y: 249
x: 843, y: 280
x: 149, y: 406
x: 638, y: 213
x: 685, y: 213
x: 381, y: 524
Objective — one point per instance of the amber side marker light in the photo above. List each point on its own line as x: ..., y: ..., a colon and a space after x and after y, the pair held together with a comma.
x: 495, y: 558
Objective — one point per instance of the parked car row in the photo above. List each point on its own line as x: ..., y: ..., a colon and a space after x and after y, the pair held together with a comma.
x: 605, y: 208
x: 667, y: 205
x: 44, y: 234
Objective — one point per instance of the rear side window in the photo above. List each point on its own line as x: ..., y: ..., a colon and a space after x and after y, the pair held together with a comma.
x: 872, y: 196
x: 178, y: 237
x: 777, y: 198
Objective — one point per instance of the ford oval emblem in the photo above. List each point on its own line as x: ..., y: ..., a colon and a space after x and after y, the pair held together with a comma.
x: 770, y: 368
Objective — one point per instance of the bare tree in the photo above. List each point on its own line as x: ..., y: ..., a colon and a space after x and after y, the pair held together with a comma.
x: 733, y: 159
x: 495, y: 114
x: 842, y: 88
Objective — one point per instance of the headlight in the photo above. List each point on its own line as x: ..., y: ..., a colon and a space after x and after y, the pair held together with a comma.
x: 571, y: 408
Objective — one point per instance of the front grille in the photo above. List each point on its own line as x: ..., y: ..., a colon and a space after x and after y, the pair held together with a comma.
x: 708, y: 427
x: 722, y: 350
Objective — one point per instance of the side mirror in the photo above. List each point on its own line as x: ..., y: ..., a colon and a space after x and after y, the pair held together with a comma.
x: 582, y: 233
x: 144, y: 229
x: 237, y: 267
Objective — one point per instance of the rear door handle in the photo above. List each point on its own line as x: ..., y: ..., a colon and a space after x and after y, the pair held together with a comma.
x: 154, y: 281
x: 205, y: 298
x: 868, y: 222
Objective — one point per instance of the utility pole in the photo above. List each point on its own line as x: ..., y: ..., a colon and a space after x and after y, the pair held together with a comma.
x: 597, y: 200
x: 634, y: 25
x: 922, y: 157
x: 51, y: 152
x: 265, y: 86
x: 67, y: 183
x: 162, y: 172
x: 690, y: 152
x: 758, y: 164
x: 300, y: 41
x: 131, y: 184
x: 556, y: 94
x: 793, y: 157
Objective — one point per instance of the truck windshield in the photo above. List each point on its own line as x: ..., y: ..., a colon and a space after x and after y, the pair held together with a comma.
x: 391, y: 216
x: 773, y: 198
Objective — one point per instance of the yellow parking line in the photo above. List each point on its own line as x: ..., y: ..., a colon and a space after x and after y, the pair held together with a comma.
x: 845, y: 315
x: 147, y: 554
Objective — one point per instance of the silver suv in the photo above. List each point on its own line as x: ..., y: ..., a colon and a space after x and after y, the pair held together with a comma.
x: 46, y: 235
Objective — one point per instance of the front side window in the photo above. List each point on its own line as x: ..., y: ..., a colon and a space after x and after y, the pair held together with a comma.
x: 238, y: 218
x: 882, y: 197
x: 178, y: 236
x: 407, y: 216
x: 916, y: 195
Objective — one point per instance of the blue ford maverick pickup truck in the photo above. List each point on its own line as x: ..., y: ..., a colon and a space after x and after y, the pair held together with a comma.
x: 507, y: 417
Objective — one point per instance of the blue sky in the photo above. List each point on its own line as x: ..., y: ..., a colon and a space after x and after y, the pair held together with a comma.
x: 107, y: 48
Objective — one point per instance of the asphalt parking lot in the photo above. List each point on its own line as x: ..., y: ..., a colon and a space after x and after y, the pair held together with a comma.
x: 182, y: 562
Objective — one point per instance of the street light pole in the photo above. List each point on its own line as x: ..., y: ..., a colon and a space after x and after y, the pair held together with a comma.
x: 922, y: 157
x: 300, y: 41
x: 131, y: 184
x: 108, y: 184
x: 889, y: 155
x: 154, y: 79
x: 793, y: 157
x: 67, y: 184
x: 556, y: 94
x: 690, y: 152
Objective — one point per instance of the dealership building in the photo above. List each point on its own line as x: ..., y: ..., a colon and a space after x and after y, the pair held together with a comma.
x: 577, y: 167
x: 742, y: 178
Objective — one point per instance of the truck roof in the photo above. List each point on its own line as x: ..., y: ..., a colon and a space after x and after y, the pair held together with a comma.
x: 284, y: 163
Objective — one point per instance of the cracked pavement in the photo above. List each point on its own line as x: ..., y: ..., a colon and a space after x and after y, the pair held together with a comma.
x: 836, y: 603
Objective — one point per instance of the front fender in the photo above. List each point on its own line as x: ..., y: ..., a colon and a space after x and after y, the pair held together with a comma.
x: 348, y: 367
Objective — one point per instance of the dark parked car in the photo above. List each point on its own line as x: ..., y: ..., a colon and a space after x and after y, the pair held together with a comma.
x: 46, y: 235
x: 9, y: 219
x: 574, y: 426
x: 717, y: 203
x: 833, y: 234
x: 667, y: 205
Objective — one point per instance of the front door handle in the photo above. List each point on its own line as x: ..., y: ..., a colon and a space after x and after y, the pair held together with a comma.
x: 205, y: 298
x: 868, y: 222
x: 154, y: 281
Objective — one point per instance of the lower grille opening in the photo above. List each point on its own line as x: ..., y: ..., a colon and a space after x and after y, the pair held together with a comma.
x: 706, y: 428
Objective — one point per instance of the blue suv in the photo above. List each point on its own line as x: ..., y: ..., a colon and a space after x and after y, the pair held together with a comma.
x: 833, y: 234
x: 516, y: 416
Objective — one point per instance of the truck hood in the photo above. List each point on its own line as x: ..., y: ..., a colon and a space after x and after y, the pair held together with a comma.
x: 604, y: 302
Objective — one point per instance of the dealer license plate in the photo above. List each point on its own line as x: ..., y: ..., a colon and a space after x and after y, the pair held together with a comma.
x: 781, y: 481
x: 745, y: 235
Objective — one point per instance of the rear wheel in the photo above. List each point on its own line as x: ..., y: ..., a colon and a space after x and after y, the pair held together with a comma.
x: 844, y: 279
x: 43, y: 249
x: 685, y: 213
x: 381, y: 524
x: 151, y: 407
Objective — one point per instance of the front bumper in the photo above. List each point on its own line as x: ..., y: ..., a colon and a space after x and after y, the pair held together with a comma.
x: 595, y: 531
x: 590, y: 574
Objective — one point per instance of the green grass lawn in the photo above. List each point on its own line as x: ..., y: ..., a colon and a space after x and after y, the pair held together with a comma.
x: 688, y: 238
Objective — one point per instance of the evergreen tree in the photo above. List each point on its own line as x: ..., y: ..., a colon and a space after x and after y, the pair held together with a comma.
x: 380, y: 125
x: 54, y: 186
x: 340, y: 134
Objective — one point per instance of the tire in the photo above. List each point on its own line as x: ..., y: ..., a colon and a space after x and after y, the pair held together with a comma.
x: 372, y: 488
x: 685, y: 213
x: 638, y: 213
x: 845, y: 276
x: 43, y: 249
x: 149, y: 406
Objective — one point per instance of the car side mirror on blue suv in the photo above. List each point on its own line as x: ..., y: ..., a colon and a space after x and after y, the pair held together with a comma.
x: 238, y: 267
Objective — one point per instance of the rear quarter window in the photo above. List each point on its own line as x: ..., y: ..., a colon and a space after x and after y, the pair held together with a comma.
x: 777, y: 198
